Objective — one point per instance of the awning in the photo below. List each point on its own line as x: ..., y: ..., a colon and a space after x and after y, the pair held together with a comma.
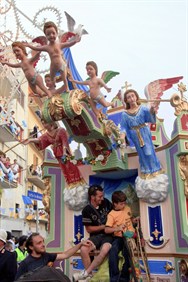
x: 27, y: 200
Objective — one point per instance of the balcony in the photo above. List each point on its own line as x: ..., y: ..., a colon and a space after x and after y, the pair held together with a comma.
x: 35, y: 179
x: 7, y: 135
x: 10, y: 129
x: 31, y: 215
x: 35, y: 105
x: 6, y: 184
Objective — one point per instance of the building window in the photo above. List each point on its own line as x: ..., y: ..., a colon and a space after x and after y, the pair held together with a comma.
x: 17, y: 210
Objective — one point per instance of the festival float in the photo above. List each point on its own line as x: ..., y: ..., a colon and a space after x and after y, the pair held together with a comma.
x: 162, y: 223
x: 164, y: 256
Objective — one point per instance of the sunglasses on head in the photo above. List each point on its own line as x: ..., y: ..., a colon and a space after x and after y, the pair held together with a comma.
x: 94, y: 188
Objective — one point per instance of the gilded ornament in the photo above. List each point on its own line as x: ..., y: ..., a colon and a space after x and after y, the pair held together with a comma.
x: 183, y: 169
x: 97, y: 146
x: 110, y: 128
x: 75, y: 122
x: 180, y: 104
x: 47, y: 194
x: 76, y: 96
x: 56, y: 107
x: 151, y: 175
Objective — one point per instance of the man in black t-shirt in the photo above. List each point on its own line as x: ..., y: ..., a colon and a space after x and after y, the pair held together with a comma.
x: 94, y: 217
x: 38, y: 257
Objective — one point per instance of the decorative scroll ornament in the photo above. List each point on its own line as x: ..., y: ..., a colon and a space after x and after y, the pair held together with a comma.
x: 183, y: 169
x: 179, y: 104
x: 47, y: 193
x: 165, y: 241
x: 178, y: 101
x: 76, y: 96
x: 56, y: 107
x: 111, y: 128
x: 184, y: 267
x: 169, y: 267
x: 75, y: 122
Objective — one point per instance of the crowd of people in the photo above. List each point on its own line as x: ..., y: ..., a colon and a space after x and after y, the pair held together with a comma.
x: 28, y: 255
x: 9, y: 171
x: 35, y: 170
x: 7, y: 118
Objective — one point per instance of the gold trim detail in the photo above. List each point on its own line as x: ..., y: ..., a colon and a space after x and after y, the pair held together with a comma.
x: 56, y: 108
x: 168, y: 267
x: 151, y: 175
x: 137, y: 129
x: 76, y: 96
x: 184, y: 267
x: 183, y: 169
x: 157, y: 247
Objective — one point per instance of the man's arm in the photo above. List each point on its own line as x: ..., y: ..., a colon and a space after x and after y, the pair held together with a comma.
x: 70, y: 252
x: 93, y: 229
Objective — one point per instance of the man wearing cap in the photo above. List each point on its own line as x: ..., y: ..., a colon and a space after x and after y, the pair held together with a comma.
x: 8, y: 263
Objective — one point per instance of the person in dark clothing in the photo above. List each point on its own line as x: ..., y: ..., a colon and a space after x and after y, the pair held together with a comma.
x: 8, y: 264
x: 38, y: 257
x: 34, y: 132
x: 94, y: 217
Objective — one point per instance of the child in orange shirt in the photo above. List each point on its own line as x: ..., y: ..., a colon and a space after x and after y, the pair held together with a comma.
x: 119, y: 222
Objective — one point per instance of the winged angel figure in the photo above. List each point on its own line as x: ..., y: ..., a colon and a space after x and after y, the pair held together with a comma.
x: 152, y: 184
x: 155, y: 89
x: 95, y: 84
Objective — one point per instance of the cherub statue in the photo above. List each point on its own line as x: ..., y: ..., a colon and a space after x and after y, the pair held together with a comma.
x: 95, y: 84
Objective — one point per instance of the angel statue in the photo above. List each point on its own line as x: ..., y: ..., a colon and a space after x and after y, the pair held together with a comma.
x: 152, y: 184
x: 75, y: 192
x: 95, y: 83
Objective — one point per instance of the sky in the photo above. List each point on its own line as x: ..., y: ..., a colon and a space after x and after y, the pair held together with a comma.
x: 143, y: 40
